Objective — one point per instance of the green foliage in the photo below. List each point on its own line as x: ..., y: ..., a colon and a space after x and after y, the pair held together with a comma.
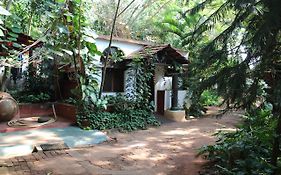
x: 128, y: 120
x: 241, y: 60
x: 120, y: 103
x: 209, y: 98
x: 38, y: 84
x: 3, y: 12
x: 40, y: 79
x: 89, y: 82
x: 141, y: 78
x: 126, y: 115
x: 8, y: 38
x: 228, y: 59
x: 30, y: 98
x: 130, y: 112
x: 246, y: 151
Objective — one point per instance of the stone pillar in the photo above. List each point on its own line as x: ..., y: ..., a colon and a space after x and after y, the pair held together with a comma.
x: 175, y: 80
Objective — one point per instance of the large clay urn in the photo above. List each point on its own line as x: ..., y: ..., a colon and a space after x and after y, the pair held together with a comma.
x: 8, y: 107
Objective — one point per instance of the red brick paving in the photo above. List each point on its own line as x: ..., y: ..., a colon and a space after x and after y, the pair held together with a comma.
x: 24, y: 165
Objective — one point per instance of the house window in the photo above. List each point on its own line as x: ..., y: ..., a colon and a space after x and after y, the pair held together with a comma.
x: 114, y: 80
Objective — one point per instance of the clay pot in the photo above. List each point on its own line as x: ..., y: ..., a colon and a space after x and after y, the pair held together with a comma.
x: 8, y: 107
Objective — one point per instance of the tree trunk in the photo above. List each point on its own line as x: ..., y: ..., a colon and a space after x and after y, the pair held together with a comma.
x: 109, y: 50
x: 4, y: 79
x: 8, y: 4
x: 175, y: 82
x: 144, y: 7
x: 29, y: 23
x: 81, y: 63
x: 276, y: 140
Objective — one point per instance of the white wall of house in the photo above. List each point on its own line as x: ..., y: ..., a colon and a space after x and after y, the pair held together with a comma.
x: 160, y: 81
x: 168, y: 99
x: 128, y: 48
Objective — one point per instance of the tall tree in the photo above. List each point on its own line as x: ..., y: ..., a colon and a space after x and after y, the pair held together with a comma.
x: 244, y: 55
x: 109, y: 50
x: 135, y: 20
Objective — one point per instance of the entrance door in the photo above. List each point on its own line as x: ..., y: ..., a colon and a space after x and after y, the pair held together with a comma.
x: 160, y: 102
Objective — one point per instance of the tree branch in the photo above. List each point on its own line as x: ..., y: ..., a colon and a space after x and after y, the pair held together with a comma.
x: 109, y: 47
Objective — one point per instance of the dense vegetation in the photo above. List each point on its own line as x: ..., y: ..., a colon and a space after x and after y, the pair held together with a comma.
x: 243, y: 62
x: 127, y: 112
x: 234, y: 47
x: 124, y: 115
x: 247, y: 150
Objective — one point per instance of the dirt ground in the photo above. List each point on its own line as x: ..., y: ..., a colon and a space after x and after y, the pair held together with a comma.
x: 167, y: 150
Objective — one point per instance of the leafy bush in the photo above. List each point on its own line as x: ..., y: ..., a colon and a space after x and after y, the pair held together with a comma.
x: 38, y: 84
x: 130, y: 112
x: 200, y: 100
x: 126, y: 116
x: 129, y: 121
x: 28, y: 98
x: 209, y: 98
x: 246, y: 151
x: 121, y: 103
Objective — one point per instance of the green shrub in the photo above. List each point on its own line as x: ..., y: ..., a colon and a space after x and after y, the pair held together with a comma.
x: 209, y: 98
x: 25, y: 97
x: 246, y: 151
x: 120, y: 103
x: 129, y: 121
x: 38, y: 85
x: 126, y: 116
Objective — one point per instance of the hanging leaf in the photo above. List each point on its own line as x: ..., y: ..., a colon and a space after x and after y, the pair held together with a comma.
x: 51, y: 15
x: 1, y: 27
x: 4, y: 12
x: 13, y: 35
x: 77, y: 1
x: 67, y: 51
x: 1, y: 32
x: 93, y: 97
x: 16, y: 45
x: 90, y: 33
x: 60, y: 1
x: 50, y: 57
x: 12, y: 39
x: 89, y: 39
x: 68, y: 14
x: 57, y: 53
x: 62, y: 29
x: 16, y: 30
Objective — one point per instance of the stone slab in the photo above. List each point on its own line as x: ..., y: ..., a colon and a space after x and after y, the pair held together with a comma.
x: 22, y: 142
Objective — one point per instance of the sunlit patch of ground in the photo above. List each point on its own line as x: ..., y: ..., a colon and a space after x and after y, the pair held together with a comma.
x: 167, y: 150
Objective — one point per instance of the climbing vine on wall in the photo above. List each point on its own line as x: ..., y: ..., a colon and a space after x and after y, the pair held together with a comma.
x: 144, y: 71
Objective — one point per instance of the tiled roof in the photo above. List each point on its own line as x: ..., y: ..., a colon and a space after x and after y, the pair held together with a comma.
x: 106, y: 37
x: 172, y: 54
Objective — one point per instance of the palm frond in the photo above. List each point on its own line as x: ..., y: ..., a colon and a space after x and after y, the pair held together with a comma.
x: 210, y: 22
x: 197, y: 8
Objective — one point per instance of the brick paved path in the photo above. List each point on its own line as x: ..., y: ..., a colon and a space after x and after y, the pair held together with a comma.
x: 26, y: 165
